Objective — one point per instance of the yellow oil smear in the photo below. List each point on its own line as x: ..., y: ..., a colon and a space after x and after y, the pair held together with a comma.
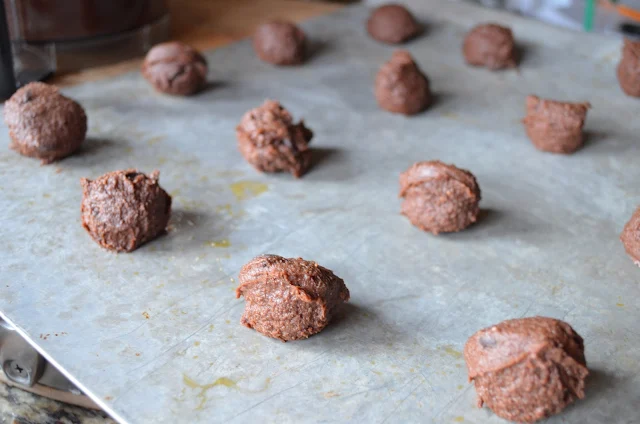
x: 458, y: 419
x: 460, y: 387
x: 230, y: 174
x: 450, y: 115
x: 226, y: 208
x: 449, y: 350
x: 247, y: 189
x: 196, y: 343
x: 175, y: 193
x: 202, y: 396
x: 224, y: 243
x: 620, y: 305
x: 154, y: 140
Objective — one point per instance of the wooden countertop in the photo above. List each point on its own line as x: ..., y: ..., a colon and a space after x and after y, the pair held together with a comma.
x: 206, y: 24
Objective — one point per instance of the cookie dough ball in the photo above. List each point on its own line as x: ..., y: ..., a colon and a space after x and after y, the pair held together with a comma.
x: 280, y: 43
x: 401, y: 87
x: 630, y: 237
x: 122, y: 210
x: 43, y: 123
x: 527, y: 369
x: 289, y: 299
x: 554, y: 126
x: 629, y: 68
x: 491, y: 46
x: 175, y: 68
x: 393, y: 24
x: 270, y: 141
x: 439, y: 198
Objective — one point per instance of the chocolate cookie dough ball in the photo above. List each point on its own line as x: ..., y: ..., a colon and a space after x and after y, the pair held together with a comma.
x: 43, y: 123
x: 122, y: 210
x: 629, y: 68
x: 527, y: 369
x: 175, y: 68
x: 491, y: 46
x: 401, y: 87
x: 630, y: 237
x: 289, y: 299
x: 280, y: 43
x: 554, y: 126
x: 393, y: 24
x: 439, y: 198
x: 270, y: 141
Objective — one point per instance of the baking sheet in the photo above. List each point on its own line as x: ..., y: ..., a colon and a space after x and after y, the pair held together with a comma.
x: 154, y: 336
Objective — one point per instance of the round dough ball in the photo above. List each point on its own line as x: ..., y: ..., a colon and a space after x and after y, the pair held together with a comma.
x: 289, y: 299
x: 630, y: 237
x: 401, y: 87
x: 629, y: 68
x: 43, y: 123
x: 554, y: 126
x: 270, y: 141
x: 175, y: 68
x: 393, y: 24
x: 491, y: 46
x: 122, y: 210
x: 439, y: 198
x: 280, y: 43
x: 527, y: 369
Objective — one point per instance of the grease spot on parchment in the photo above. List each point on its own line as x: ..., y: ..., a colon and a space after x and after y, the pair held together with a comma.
x: 247, y: 189
x: 449, y: 350
x: 224, y: 243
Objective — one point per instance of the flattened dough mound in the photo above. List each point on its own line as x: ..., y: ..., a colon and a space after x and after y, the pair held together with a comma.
x: 289, y: 299
x: 527, y: 369
x: 122, y: 210
x: 439, y: 198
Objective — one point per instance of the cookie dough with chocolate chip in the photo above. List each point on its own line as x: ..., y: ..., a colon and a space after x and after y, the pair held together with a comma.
x: 554, y: 126
x: 527, y: 369
x: 280, y: 43
x: 393, y: 24
x: 271, y: 142
x: 43, y: 123
x: 401, y: 87
x: 630, y: 237
x: 629, y: 68
x: 439, y: 198
x: 175, y: 68
x: 491, y: 46
x: 289, y: 299
x: 122, y: 210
